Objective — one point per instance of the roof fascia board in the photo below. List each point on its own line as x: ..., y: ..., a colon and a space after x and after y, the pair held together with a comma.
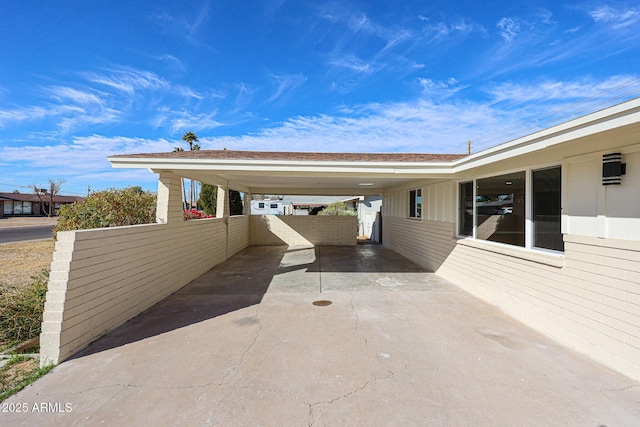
x: 601, y: 121
x: 266, y: 165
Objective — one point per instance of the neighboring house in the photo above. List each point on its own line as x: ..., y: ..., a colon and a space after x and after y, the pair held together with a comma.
x: 267, y: 207
x: 370, y: 218
x: 546, y: 227
x: 17, y: 204
x: 311, y: 205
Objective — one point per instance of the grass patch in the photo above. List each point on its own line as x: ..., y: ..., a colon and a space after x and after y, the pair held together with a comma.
x: 23, y: 285
x: 18, y: 373
x: 21, y: 309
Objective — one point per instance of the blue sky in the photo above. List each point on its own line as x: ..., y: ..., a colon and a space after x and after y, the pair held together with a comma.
x: 83, y: 80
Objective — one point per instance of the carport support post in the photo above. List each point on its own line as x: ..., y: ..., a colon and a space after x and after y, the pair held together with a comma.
x: 246, y: 204
x: 169, y: 204
x: 222, y: 207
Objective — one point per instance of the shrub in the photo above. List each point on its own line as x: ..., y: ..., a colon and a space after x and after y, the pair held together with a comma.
x: 21, y: 309
x: 109, y: 208
x: 339, y: 209
x: 195, y: 214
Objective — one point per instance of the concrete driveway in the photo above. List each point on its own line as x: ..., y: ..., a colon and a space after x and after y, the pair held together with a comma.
x: 245, y: 345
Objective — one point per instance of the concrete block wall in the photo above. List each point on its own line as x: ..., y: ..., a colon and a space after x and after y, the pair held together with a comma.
x: 427, y: 243
x: 295, y: 230
x: 101, y: 278
x: 238, y: 234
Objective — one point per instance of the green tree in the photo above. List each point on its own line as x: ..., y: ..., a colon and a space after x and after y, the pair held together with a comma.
x: 235, y: 203
x: 184, y: 190
x: 208, y: 200
x: 191, y: 138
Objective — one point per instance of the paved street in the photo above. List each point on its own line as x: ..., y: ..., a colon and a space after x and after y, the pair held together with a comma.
x: 19, y: 231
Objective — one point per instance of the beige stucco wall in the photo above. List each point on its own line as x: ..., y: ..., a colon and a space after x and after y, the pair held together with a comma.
x: 587, y: 297
x: 296, y: 230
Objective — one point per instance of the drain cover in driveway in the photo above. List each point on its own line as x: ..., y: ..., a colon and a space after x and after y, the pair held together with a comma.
x: 322, y: 303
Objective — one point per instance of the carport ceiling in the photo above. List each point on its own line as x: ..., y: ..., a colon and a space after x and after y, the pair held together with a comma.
x: 295, y: 173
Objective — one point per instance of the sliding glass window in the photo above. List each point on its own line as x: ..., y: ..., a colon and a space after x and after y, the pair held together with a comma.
x: 465, y: 209
x: 547, y: 199
x: 415, y: 203
x: 500, y: 208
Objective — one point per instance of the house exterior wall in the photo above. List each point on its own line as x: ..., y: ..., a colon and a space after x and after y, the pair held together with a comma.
x: 587, y: 297
x: 294, y: 230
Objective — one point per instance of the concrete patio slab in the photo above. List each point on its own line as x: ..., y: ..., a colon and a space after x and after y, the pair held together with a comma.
x: 245, y: 345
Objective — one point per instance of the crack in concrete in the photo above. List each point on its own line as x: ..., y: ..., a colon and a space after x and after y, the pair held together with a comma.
x: 246, y: 350
x: 621, y: 389
x: 353, y: 308
x: 344, y: 396
x: 148, y: 387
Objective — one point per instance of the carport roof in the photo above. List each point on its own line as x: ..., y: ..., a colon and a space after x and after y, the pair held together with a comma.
x: 296, y: 156
x: 294, y: 173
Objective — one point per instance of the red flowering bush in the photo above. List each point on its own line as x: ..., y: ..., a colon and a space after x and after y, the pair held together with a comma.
x: 195, y: 214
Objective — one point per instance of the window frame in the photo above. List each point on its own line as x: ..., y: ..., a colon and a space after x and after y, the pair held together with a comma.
x: 531, y: 208
x: 416, y: 203
x: 459, y: 208
x: 528, y: 200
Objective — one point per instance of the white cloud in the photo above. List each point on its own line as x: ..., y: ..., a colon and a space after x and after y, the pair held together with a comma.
x: 62, y: 93
x: 353, y: 63
x: 554, y: 90
x: 185, y: 121
x: 284, y: 84
x: 128, y: 79
x: 81, y: 160
x: 508, y: 29
x: 189, y: 93
x: 37, y: 113
x: 617, y: 18
x: 421, y: 126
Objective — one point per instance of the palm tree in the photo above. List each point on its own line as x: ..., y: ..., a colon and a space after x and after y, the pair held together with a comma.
x: 190, y: 138
x: 184, y: 190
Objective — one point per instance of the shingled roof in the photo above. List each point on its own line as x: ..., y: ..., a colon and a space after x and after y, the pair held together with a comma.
x: 296, y: 156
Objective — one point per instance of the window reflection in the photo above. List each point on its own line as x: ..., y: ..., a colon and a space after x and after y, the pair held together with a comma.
x: 500, y: 208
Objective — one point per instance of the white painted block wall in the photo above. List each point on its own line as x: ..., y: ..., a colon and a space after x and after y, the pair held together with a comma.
x: 294, y: 230
x: 101, y: 278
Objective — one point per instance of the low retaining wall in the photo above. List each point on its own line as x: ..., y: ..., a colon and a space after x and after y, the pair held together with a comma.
x: 101, y: 278
x: 295, y: 230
